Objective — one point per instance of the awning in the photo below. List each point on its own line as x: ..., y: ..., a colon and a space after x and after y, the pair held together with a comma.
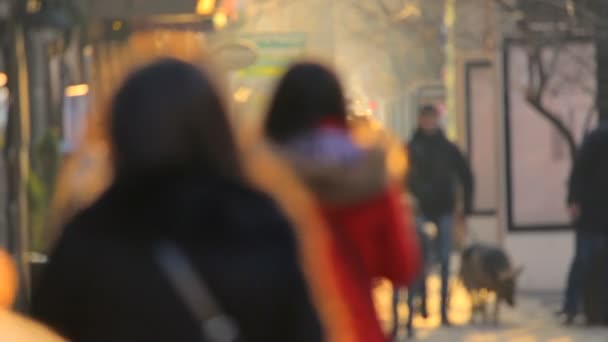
x: 127, y: 9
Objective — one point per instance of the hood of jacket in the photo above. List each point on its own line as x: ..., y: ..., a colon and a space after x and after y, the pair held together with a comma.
x: 337, y: 167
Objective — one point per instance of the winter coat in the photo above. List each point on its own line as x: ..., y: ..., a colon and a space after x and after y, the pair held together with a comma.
x: 103, y: 282
x: 369, y: 234
x: 589, y: 184
x: 16, y: 328
x: 437, y: 168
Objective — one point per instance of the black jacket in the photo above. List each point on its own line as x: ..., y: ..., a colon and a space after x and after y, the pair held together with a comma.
x: 103, y: 283
x: 436, y: 169
x: 589, y: 182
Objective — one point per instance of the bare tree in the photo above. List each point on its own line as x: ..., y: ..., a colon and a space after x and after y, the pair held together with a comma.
x: 546, y: 27
x: 409, y: 32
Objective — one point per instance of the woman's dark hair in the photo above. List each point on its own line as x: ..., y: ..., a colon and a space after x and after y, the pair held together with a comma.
x: 308, y: 94
x: 168, y: 118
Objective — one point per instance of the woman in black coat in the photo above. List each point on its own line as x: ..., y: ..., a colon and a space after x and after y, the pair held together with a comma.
x: 178, y: 181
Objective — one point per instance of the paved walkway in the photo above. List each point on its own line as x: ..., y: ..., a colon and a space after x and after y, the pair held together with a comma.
x: 531, y: 321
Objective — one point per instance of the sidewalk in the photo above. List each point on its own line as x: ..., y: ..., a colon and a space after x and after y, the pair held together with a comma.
x: 531, y: 321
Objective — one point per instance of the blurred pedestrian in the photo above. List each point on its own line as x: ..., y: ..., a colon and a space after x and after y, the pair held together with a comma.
x: 86, y: 170
x: 14, y: 327
x: 8, y: 280
x: 588, y: 205
x: 177, y: 223
x: 418, y: 289
x: 437, y: 168
x: 369, y: 235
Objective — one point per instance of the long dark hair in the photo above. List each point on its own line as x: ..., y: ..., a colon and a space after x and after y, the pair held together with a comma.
x: 168, y: 117
x: 308, y: 94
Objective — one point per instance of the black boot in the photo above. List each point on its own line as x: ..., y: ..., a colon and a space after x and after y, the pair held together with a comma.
x: 410, y: 327
x: 445, y: 321
x: 410, y: 333
x: 424, y: 311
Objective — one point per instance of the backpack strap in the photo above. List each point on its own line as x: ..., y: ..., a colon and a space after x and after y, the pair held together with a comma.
x: 216, y: 325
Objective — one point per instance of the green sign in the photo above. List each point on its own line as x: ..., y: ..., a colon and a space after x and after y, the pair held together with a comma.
x: 280, y: 41
x: 275, y: 52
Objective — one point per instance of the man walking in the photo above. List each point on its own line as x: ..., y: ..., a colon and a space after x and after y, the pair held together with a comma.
x: 588, y: 207
x: 437, y: 169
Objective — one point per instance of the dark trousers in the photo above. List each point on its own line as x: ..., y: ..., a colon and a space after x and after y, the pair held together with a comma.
x: 443, y: 247
x: 587, y: 246
x: 418, y: 288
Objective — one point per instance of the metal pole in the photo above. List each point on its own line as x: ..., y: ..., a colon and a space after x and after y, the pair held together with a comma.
x: 17, y: 155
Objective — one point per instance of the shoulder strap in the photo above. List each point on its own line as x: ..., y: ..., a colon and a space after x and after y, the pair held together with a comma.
x: 215, y: 324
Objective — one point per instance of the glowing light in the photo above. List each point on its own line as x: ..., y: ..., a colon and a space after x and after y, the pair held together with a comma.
x: 3, y: 79
x: 459, y: 314
x: 77, y: 90
x: 117, y: 25
x: 88, y: 51
x: 373, y: 105
x: 571, y: 8
x: 33, y: 6
x: 409, y: 11
x: 242, y: 95
x: 205, y: 7
x: 220, y: 20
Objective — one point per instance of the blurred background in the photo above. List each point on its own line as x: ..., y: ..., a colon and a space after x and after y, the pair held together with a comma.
x: 519, y: 83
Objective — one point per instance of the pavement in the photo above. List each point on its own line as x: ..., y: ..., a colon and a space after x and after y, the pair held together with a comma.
x: 531, y: 321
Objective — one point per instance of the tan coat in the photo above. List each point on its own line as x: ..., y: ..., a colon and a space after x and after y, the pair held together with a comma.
x: 15, y: 328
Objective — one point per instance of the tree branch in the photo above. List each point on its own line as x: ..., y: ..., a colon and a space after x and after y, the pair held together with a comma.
x: 538, y: 78
x: 540, y: 65
x: 557, y: 124
x: 589, y: 116
x: 554, y: 58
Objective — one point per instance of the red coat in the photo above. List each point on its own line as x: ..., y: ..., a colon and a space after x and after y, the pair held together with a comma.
x: 372, y: 239
x: 371, y: 233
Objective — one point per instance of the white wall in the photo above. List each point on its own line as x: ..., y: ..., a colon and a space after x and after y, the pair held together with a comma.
x: 545, y: 256
x: 484, y: 229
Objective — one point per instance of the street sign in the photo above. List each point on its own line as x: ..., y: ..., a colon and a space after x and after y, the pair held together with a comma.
x: 235, y: 55
x: 275, y: 52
